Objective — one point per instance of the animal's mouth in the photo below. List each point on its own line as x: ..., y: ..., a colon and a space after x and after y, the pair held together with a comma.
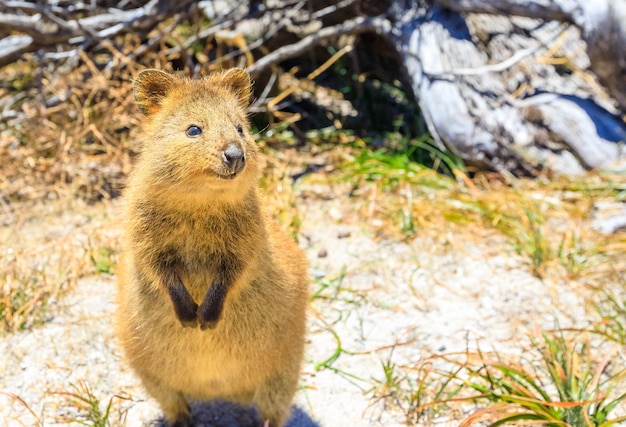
x: 229, y: 176
x: 221, y: 174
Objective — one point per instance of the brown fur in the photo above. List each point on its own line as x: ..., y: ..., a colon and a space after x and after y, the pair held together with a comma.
x: 212, y: 298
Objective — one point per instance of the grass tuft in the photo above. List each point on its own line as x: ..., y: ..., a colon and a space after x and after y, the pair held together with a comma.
x: 421, y: 392
x: 25, y: 291
x: 45, y: 256
x: 610, y: 306
x: 567, y: 386
x: 102, y: 259
x: 91, y: 412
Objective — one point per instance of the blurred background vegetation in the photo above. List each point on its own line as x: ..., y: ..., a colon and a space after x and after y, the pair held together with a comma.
x: 68, y: 122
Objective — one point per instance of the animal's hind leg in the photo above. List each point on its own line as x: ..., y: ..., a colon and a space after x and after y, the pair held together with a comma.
x: 274, y: 397
x: 172, y: 402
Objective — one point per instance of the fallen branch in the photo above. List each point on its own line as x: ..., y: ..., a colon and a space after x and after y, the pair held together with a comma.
x: 602, y: 24
x: 50, y: 26
x: 554, y: 10
x: 353, y: 26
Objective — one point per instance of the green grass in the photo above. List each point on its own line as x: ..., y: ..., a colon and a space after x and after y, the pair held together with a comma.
x: 568, y: 385
x: 577, y: 254
x: 329, y: 287
x: 102, y: 260
x: 529, y: 238
x: 421, y: 393
x: 327, y: 364
x: 24, y: 296
x: 610, y: 307
x: 393, y: 167
x: 91, y: 411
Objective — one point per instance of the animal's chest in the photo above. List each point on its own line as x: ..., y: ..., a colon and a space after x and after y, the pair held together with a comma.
x: 209, y: 249
x: 199, y: 246
x: 197, y: 242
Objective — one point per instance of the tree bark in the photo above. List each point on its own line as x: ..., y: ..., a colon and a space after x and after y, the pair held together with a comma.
x: 483, y: 111
x: 602, y: 24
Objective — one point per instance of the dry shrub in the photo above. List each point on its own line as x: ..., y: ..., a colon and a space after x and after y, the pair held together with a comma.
x: 74, y: 131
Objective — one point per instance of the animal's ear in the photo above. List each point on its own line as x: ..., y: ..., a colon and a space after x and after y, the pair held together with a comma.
x: 150, y: 88
x: 240, y: 82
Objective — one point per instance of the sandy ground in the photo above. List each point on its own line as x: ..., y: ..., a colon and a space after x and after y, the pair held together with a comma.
x: 378, y: 300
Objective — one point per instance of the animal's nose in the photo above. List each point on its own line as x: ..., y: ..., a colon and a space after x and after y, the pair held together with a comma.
x: 233, y: 157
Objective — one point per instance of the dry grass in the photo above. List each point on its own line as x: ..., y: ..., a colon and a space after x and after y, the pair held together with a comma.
x: 48, y: 248
x: 70, y: 134
x: 547, y: 221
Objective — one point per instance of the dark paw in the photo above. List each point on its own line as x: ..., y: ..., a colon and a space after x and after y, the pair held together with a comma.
x: 208, y: 324
x: 210, y: 311
x: 189, y: 323
x: 185, y: 307
x: 209, y: 316
x: 187, y: 315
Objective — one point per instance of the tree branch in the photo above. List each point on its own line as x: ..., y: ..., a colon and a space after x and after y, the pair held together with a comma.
x: 353, y: 26
x: 51, y: 26
x: 554, y: 10
x: 12, y: 47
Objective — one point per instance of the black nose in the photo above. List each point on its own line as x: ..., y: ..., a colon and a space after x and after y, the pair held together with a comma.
x: 233, y: 157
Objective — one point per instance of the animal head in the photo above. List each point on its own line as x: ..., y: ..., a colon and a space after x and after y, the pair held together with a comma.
x: 197, y: 140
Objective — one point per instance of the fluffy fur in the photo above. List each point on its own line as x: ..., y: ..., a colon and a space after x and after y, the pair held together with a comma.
x: 212, y: 298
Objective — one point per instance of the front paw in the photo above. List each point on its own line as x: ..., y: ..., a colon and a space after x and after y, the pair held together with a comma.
x: 210, y: 310
x: 208, y: 324
x: 187, y: 315
x: 209, y: 314
x: 189, y: 323
x: 185, y: 307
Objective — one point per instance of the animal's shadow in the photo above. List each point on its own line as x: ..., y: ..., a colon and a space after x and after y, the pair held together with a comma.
x: 221, y: 413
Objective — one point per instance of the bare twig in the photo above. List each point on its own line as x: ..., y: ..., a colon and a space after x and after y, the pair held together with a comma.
x: 12, y: 47
x: 262, y: 99
x: 260, y: 42
x: 331, y: 9
x: 551, y: 11
x: 353, y: 26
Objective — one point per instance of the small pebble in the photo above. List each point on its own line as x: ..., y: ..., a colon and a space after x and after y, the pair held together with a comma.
x: 318, y: 274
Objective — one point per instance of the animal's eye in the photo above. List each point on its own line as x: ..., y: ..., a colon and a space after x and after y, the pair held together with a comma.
x: 193, y: 131
x: 240, y: 130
